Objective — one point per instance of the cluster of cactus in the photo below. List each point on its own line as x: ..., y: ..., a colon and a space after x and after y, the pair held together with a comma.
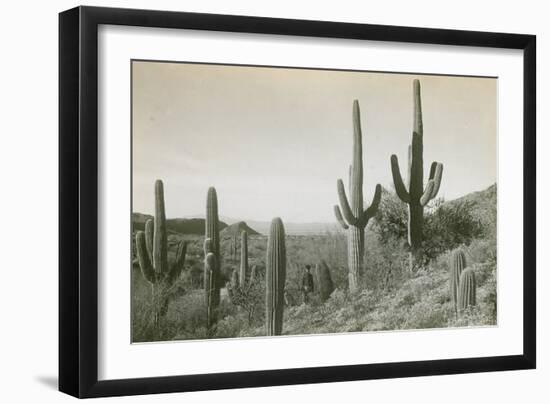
x: 324, y: 281
x: 462, y: 282
x: 275, y: 278
x: 152, y: 254
x: 352, y: 217
x: 416, y: 196
x: 212, y: 261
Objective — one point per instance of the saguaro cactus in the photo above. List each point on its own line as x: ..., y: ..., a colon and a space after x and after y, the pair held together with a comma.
x: 244, y: 259
x: 152, y: 252
x: 416, y: 196
x: 351, y: 216
x: 326, y: 286
x: 467, y: 289
x: 212, y: 232
x: 211, y: 270
x: 458, y: 263
x: 275, y: 278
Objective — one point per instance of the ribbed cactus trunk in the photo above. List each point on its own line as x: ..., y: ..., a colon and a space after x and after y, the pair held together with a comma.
x: 356, y: 236
x: 210, y: 270
x: 275, y: 278
x: 212, y: 232
x: 351, y: 216
x: 458, y: 263
x: 244, y: 259
x: 152, y: 252
x: 160, y: 240
x: 416, y: 196
x: 467, y: 289
x: 356, y: 251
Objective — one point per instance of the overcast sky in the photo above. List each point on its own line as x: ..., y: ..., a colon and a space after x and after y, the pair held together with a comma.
x: 274, y: 141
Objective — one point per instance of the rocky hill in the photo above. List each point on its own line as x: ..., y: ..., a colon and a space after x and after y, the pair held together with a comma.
x: 235, y: 229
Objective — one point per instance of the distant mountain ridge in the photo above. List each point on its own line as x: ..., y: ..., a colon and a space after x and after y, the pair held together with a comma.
x: 483, y: 206
x: 182, y: 226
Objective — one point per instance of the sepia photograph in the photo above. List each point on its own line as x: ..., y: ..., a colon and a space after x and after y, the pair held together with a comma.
x: 282, y: 201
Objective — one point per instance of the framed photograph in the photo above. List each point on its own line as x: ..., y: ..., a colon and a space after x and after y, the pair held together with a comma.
x: 251, y: 201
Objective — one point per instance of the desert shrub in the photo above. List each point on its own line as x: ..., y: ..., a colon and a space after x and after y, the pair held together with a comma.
x: 390, y: 221
x: 386, y: 262
x: 482, y: 250
x: 487, y: 296
x: 446, y: 225
x: 250, y: 299
x: 231, y: 326
x: 449, y: 225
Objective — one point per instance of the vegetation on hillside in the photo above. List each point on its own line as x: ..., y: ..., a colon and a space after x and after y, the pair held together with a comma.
x: 391, y: 297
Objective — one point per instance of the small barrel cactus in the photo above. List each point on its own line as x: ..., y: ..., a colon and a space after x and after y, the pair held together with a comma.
x: 324, y: 279
x: 458, y: 263
x: 467, y: 289
x: 275, y: 278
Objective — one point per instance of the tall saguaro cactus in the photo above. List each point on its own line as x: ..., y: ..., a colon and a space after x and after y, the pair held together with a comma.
x: 275, y: 278
x: 152, y: 252
x: 212, y: 232
x: 416, y: 195
x: 244, y: 259
x: 351, y: 216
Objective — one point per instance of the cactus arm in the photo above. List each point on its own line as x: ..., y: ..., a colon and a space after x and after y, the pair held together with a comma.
x: 143, y: 258
x: 179, y: 263
x: 427, y: 195
x: 373, y: 208
x: 433, y: 167
x: 436, y: 173
x: 149, y: 231
x: 346, y: 209
x: 398, y: 180
x: 339, y: 217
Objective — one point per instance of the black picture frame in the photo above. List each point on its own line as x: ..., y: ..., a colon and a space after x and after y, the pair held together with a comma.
x: 78, y: 201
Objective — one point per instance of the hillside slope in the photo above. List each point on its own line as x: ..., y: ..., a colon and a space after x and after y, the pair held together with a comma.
x: 483, y: 205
